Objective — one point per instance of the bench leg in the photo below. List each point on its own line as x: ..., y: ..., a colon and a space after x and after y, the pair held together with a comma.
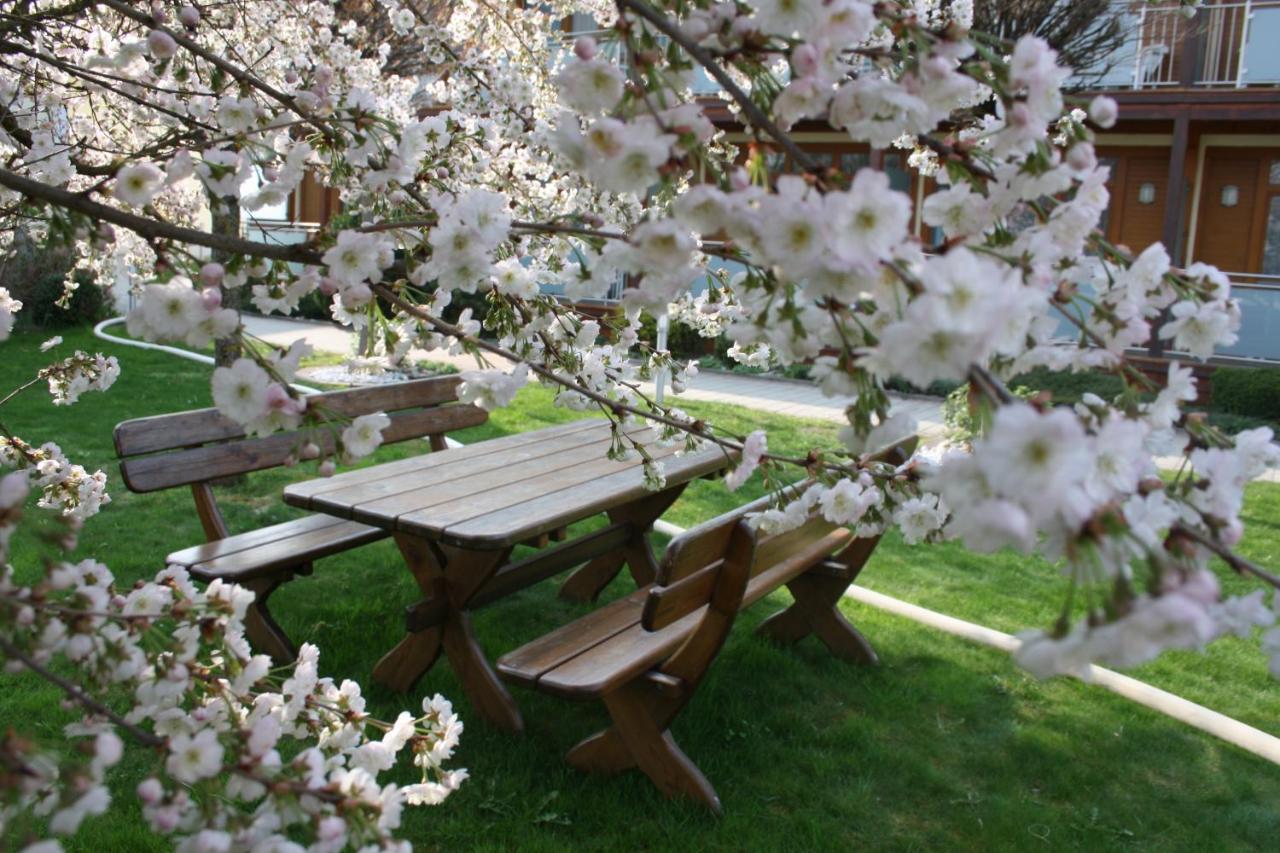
x: 604, y: 753
x: 264, y: 633
x: 640, y: 719
x: 588, y: 582
x: 639, y: 738
x: 814, y: 611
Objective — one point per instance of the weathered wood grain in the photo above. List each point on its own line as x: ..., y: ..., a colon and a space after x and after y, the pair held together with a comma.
x: 201, y: 426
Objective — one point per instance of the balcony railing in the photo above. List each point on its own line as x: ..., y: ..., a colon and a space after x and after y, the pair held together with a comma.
x: 1225, y: 45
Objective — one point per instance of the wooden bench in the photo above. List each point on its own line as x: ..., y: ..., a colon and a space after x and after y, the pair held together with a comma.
x: 644, y: 655
x: 199, y: 447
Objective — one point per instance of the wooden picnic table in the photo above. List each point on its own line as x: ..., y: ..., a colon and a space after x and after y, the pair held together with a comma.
x: 457, y: 514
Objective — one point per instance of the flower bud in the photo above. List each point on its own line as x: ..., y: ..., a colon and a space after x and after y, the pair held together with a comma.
x: 324, y: 75
x: 291, y: 77
x: 585, y: 48
x: 804, y: 59
x: 212, y: 298
x: 1081, y: 157
x: 697, y: 27
x: 158, y: 13
x: 161, y: 44
x: 277, y: 396
x: 326, y: 468
x: 310, y: 450
x: 150, y: 791
x: 189, y: 16
x: 211, y: 274
x: 1103, y: 111
x: 742, y: 27
x: 739, y: 179
x: 356, y: 295
x: 165, y: 820
x: 328, y: 286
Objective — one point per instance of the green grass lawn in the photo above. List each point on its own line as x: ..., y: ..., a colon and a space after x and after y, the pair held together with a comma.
x: 945, y: 745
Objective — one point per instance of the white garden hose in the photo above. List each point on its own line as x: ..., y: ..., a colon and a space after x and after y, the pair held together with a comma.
x: 1219, y: 725
x: 181, y: 353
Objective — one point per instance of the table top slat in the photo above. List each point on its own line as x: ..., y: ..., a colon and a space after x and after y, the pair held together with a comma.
x: 511, y: 502
x: 379, y: 496
x: 497, y: 493
x: 301, y: 494
x: 567, y: 498
x: 475, y: 487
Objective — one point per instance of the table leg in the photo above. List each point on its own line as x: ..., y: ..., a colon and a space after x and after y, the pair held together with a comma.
x: 588, y: 582
x: 450, y: 576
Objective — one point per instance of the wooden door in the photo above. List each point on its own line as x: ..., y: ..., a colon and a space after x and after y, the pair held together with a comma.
x: 1139, y: 192
x: 1235, y: 200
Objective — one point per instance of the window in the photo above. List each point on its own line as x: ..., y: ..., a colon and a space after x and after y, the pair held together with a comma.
x: 1271, y: 243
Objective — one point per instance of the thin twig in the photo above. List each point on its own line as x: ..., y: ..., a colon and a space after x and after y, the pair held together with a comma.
x: 77, y: 693
x: 757, y: 116
x: 1238, y: 564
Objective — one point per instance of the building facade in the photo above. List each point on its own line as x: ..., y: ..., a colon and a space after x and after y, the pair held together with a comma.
x: 1194, y: 158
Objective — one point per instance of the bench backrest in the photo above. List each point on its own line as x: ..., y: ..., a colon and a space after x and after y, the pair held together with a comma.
x: 726, y: 564
x: 190, y: 447
x: 690, y: 570
x: 195, y: 447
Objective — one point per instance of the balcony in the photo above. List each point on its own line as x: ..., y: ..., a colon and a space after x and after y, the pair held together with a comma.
x: 1225, y: 45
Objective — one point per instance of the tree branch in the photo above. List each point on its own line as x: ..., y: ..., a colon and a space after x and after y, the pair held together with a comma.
x: 153, y: 228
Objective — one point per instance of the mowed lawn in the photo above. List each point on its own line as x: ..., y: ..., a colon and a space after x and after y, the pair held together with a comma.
x: 945, y: 745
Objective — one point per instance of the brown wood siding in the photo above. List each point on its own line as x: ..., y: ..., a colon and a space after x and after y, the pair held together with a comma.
x: 313, y: 202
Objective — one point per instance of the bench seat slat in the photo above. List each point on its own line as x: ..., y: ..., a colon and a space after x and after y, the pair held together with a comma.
x: 250, y: 539
x: 622, y: 657
x: 304, y: 545
x: 612, y: 645
x: 527, y: 663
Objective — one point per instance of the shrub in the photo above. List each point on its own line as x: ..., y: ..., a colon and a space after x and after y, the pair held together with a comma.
x: 1067, y: 387
x: 939, y: 388
x: 1249, y: 391
x: 682, y: 341
x: 40, y: 295
x: 962, y: 425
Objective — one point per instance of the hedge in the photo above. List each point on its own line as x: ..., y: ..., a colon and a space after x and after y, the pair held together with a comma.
x: 1249, y: 391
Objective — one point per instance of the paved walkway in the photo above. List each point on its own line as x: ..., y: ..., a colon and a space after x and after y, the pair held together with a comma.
x: 783, y: 397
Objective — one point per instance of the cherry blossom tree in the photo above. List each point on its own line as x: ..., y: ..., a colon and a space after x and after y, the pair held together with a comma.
x: 550, y: 162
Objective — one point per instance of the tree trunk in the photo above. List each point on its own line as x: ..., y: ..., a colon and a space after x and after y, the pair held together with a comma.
x: 225, y: 215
